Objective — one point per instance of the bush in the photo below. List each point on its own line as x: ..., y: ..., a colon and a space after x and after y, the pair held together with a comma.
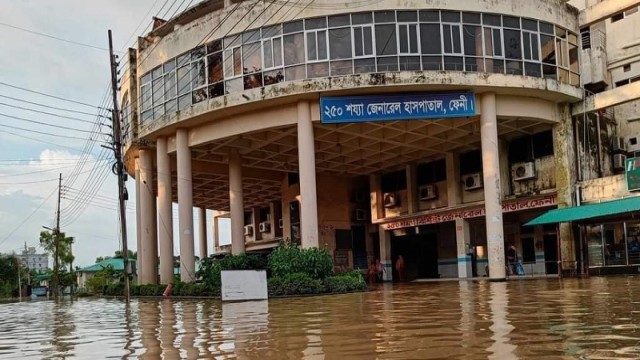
x: 211, y: 269
x: 289, y: 259
x: 294, y: 284
x: 349, y: 282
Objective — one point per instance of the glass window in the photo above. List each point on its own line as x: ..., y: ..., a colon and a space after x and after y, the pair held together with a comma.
x: 294, y: 49
x: 472, y: 36
x: 364, y: 66
x: 429, y: 16
x: 156, y: 73
x: 362, y: 18
x: 317, y: 45
x: 386, y: 40
x: 340, y: 43
x: 450, y: 16
x: 532, y: 69
x: 158, y: 91
x: 562, y: 53
x: 430, y: 39
x: 234, y: 85
x: 184, y: 80
x: 272, y: 49
x: 170, y: 88
x: 409, y: 16
x: 214, y: 67
x: 343, y: 67
x: 273, y: 77
x: 252, y: 58
x: 253, y: 81
x: 451, y: 39
x: 490, y: 19
x: 573, y: 58
x: 293, y: 26
x: 512, y: 44
x: 214, y: 46
x: 548, y: 46
x: 633, y: 242
x: 385, y: 16
x: 250, y: 36
x: 432, y: 63
x: 511, y: 22
x: 199, y: 95
x: 362, y: 41
x: 198, y: 53
x: 408, y: 38
x: 317, y: 23
x: 530, y: 25
x: 318, y: 70
x: 409, y: 63
x: 183, y: 59
x: 339, y: 20
x: 546, y: 28
x: 387, y: 63
x: 530, y: 46
x: 145, y: 92
x: 493, y: 42
x: 198, y: 77
x: 169, y: 66
x: 295, y: 72
x: 216, y: 90
x: 471, y: 18
x: 453, y: 63
x: 184, y: 102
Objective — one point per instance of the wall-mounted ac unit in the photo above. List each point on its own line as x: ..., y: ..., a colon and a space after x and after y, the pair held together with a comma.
x: 472, y: 181
x: 390, y: 200
x: 280, y: 223
x: 361, y: 215
x: 264, y: 227
x: 248, y: 230
x: 523, y: 171
x: 618, y: 145
x: 619, y: 161
x: 633, y: 143
x: 427, y: 192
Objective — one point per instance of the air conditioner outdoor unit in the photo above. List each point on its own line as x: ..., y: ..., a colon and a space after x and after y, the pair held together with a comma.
x: 619, y: 161
x: 523, y: 171
x: 472, y: 181
x: 264, y: 227
x: 361, y: 215
x: 280, y: 223
x: 390, y: 200
x: 618, y: 145
x: 428, y: 192
x: 633, y: 144
x: 248, y: 230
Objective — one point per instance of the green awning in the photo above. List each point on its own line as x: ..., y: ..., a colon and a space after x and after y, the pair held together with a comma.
x: 589, y: 211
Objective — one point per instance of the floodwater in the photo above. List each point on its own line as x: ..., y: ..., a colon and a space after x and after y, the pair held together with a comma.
x: 593, y: 318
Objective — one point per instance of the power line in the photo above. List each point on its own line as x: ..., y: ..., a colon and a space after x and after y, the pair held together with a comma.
x: 42, y: 132
x: 53, y: 96
x: 38, y: 140
x: 51, y: 125
x: 54, y: 37
x: 29, y: 217
x: 51, y: 107
x: 47, y: 113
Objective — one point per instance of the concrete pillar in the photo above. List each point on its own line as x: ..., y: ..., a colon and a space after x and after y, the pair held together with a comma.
x: 138, y: 221
x: 463, y: 239
x: 377, y: 209
x: 147, y: 215
x: 564, y: 155
x: 165, y: 212
x: 185, y: 207
x: 412, y: 189
x: 202, y: 217
x: 307, y: 170
x: 236, y: 201
x: 385, y: 253
x: 216, y: 231
x: 454, y: 196
x: 492, y: 188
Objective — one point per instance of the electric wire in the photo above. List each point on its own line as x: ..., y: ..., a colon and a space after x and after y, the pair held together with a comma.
x: 53, y: 37
x: 47, y: 113
x: 52, y: 96
x: 50, y: 125
x: 50, y: 107
x: 29, y: 216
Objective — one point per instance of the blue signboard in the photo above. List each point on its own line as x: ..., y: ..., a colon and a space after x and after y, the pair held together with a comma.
x: 348, y: 109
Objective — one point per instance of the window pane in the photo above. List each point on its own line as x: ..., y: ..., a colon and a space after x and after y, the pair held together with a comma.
x: 549, y: 71
x: 322, y: 45
x: 318, y: 70
x: 535, y: 52
x: 532, y: 69
x: 546, y: 28
x: 363, y: 66
x: 413, y: 39
x: 409, y: 63
x: 170, y: 88
x: 362, y: 18
x: 358, y: 42
x: 169, y: 66
x: 489, y: 19
x: 471, y: 18
x: 294, y: 49
x: 512, y: 45
x: 271, y: 31
x: 455, y: 35
x: 198, y: 53
x: 429, y: 16
x: 147, y: 115
x: 295, y: 73
x: 216, y: 90
x: 561, y: 45
x: 431, y: 63
x: 146, y: 78
x: 184, y: 102
x: 252, y: 58
x: 214, y: 67
x: 385, y: 16
x: 268, y: 54
x: 511, y: 22
x: 526, y: 43
x: 145, y: 91
x: 184, y: 80
x: 514, y: 67
x: 407, y: 16
x: 273, y: 77
x: 548, y: 46
x: 388, y: 64
x: 340, y: 42
x: 158, y: 111
x: 253, y: 81
x: 214, y: 46
x: 453, y: 63
x: 430, y: 38
x: 475, y: 64
x: 341, y: 67
x: 446, y: 36
x: 472, y: 40
x: 339, y: 20
x: 312, y: 52
x: 494, y: 66
x: 198, y: 77
x: 450, y: 16
x: 368, y: 40
x: 183, y: 59
x: 199, y: 95
x: 237, y: 61
x: 317, y: 23
x: 573, y: 58
x: 250, y: 36
x: 234, y: 86
x: 404, y: 42
x: 386, y: 40
x: 228, y: 63
x: 530, y: 24
x: 277, y: 51
x: 158, y: 91
x: 157, y: 72
x: 292, y: 27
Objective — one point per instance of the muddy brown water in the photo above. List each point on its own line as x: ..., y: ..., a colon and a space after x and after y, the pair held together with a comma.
x: 597, y: 318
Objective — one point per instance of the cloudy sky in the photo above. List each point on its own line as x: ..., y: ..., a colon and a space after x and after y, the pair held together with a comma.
x: 36, y: 147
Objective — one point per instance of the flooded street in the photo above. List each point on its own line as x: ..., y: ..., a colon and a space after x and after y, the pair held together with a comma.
x: 534, y: 319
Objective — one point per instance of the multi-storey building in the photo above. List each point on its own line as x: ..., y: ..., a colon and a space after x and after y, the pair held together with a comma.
x: 431, y: 130
x: 33, y: 260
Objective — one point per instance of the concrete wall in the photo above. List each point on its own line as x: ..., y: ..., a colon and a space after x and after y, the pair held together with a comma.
x: 605, y: 188
x: 545, y: 179
x: 447, y: 251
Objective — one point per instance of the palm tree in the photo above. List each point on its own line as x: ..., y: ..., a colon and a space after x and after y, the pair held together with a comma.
x: 48, y: 243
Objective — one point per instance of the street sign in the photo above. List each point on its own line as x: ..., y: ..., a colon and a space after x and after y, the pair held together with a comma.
x: 632, y: 171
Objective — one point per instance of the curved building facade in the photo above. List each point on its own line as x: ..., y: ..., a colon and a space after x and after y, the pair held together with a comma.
x: 431, y: 130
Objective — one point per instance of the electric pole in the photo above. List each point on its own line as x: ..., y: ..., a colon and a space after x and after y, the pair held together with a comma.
x: 117, y: 150
x: 56, y: 275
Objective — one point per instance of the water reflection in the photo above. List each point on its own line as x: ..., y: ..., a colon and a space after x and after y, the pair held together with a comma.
x: 532, y: 319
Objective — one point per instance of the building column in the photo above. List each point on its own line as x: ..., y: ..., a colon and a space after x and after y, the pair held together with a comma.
x: 185, y: 207
x: 377, y: 210
x: 236, y: 202
x: 202, y: 217
x: 216, y: 231
x: 385, y: 253
x: 492, y: 187
x: 165, y: 212
x: 138, y: 222
x: 463, y: 240
x: 148, y: 213
x: 565, y: 155
x: 307, y: 170
x: 412, y: 189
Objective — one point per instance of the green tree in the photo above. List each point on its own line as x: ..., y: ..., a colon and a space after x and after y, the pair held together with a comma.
x: 9, y: 268
x: 48, y: 243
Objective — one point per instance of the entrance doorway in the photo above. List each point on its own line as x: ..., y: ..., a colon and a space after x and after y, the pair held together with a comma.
x: 551, y: 253
x: 420, y: 252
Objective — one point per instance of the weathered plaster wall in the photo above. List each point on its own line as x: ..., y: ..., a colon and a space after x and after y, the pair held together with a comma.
x: 605, y: 188
x: 545, y: 179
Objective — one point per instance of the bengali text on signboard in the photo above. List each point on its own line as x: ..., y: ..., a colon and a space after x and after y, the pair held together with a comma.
x: 348, y: 109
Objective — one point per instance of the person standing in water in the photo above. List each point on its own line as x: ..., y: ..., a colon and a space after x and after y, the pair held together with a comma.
x: 400, y: 268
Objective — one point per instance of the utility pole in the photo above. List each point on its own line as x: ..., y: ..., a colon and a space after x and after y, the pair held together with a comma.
x: 56, y: 275
x: 19, y: 280
x: 117, y: 150
x: 26, y: 254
